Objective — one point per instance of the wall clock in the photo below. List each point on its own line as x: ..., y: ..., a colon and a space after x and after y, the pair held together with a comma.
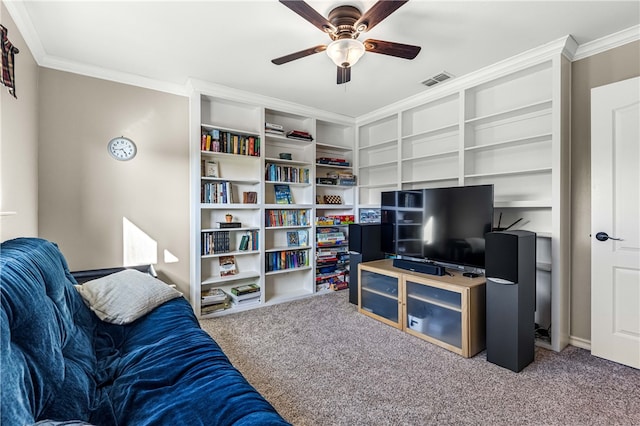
x: 122, y: 148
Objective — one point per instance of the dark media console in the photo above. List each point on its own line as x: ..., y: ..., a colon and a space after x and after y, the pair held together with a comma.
x: 422, y: 267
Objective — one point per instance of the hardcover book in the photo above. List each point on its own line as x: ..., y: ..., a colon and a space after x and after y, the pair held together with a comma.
x: 283, y: 194
x: 245, y: 289
x: 213, y: 295
x: 229, y: 224
x: 212, y: 169
x: 227, y: 266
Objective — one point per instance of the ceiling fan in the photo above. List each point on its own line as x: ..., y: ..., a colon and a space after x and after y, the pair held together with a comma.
x: 343, y: 25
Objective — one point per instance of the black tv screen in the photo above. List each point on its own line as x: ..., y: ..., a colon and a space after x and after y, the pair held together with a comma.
x: 442, y: 225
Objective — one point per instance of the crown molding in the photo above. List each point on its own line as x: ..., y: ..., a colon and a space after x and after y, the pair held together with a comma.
x: 608, y: 42
x: 564, y: 45
x: 19, y: 14
x: 116, y: 76
x: 21, y: 18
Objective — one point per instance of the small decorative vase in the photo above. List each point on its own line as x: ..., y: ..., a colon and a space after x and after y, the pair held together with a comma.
x: 228, y: 218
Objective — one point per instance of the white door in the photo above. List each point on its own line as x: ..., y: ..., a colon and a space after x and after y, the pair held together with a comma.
x: 615, y: 222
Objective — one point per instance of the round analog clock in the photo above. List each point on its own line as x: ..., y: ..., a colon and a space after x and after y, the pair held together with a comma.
x: 122, y: 148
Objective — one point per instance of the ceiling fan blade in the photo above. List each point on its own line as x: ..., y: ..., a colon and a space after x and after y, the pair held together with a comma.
x: 390, y: 48
x: 310, y: 14
x: 377, y: 13
x: 344, y: 75
x: 297, y: 55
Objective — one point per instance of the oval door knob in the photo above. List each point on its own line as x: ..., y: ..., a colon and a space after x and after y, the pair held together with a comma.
x: 603, y: 236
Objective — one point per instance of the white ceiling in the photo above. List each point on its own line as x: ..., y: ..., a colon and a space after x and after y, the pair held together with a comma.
x: 231, y: 43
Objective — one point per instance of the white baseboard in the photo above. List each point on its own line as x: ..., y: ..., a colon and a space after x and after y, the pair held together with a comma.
x: 580, y: 342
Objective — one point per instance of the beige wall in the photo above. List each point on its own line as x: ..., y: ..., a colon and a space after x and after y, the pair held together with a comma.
x: 103, y: 212
x: 604, y: 68
x: 19, y: 142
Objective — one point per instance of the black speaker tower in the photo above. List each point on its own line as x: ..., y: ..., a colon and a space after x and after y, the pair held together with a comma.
x: 364, y: 246
x: 510, y: 269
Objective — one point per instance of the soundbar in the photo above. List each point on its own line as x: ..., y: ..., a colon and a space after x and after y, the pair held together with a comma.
x: 422, y: 267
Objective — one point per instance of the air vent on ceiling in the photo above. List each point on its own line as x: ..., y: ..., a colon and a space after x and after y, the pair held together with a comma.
x: 438, y: 78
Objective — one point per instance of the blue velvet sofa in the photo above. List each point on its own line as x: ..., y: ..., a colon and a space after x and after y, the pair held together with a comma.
x: 61, y: 363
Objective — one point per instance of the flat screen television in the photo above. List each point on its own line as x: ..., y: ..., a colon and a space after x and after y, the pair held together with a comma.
x: 445, y: 226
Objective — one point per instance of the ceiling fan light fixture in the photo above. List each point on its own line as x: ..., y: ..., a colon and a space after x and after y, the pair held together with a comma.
x: 345, y: 52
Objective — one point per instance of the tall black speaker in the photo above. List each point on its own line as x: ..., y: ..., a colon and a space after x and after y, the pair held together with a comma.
x: 364, y: 246
x: 510, y: 268
x: 364, y: 238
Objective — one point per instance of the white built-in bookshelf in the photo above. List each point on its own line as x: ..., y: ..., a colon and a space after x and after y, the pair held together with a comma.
x: 259, y: 162
x: 506, y: 125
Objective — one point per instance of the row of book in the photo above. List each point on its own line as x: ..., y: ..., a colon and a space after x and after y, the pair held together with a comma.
x: 217, y: 192
x: 279, y: 173
x: 288, y: 259
x: 275, y: 218
x: 338, y: 219
x: 216, y: 140
x: 214, y: 242
x: 249, y: 241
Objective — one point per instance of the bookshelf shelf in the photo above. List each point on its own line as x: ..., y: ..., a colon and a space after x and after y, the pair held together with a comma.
x: 512, y: 113
x: 511, y: 173
x: 448, y: 128
x: 231, y: 253
x: 234, y: 206
x: 231, y: 278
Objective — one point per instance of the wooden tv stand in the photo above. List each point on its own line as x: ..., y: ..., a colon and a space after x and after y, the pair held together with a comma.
x: 448, y: 310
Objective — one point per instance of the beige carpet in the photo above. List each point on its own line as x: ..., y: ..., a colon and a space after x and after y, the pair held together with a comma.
x: 320, y: 362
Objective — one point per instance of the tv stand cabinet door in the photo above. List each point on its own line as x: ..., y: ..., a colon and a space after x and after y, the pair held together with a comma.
x: 444, y: 313
x: 379, y: 293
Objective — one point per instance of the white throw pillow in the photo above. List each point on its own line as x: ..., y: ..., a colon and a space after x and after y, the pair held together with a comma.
x: 125, y: 296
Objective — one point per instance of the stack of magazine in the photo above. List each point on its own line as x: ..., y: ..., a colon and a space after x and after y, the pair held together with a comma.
x: 245, y: 294
x: 212, y: 300
x: 274, y: 129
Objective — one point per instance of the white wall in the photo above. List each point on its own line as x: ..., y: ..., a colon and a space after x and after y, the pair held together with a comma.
x: 106, y: 213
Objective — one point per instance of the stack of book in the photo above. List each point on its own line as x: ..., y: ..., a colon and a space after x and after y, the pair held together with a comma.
x: 212, y: 300
x: 245, y: 294
x: 273, y: 129
x: 346, y: 179
x: 332, y: 270
x: 330, y: 236
x: 333, y: 161
x: 300, y: 135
